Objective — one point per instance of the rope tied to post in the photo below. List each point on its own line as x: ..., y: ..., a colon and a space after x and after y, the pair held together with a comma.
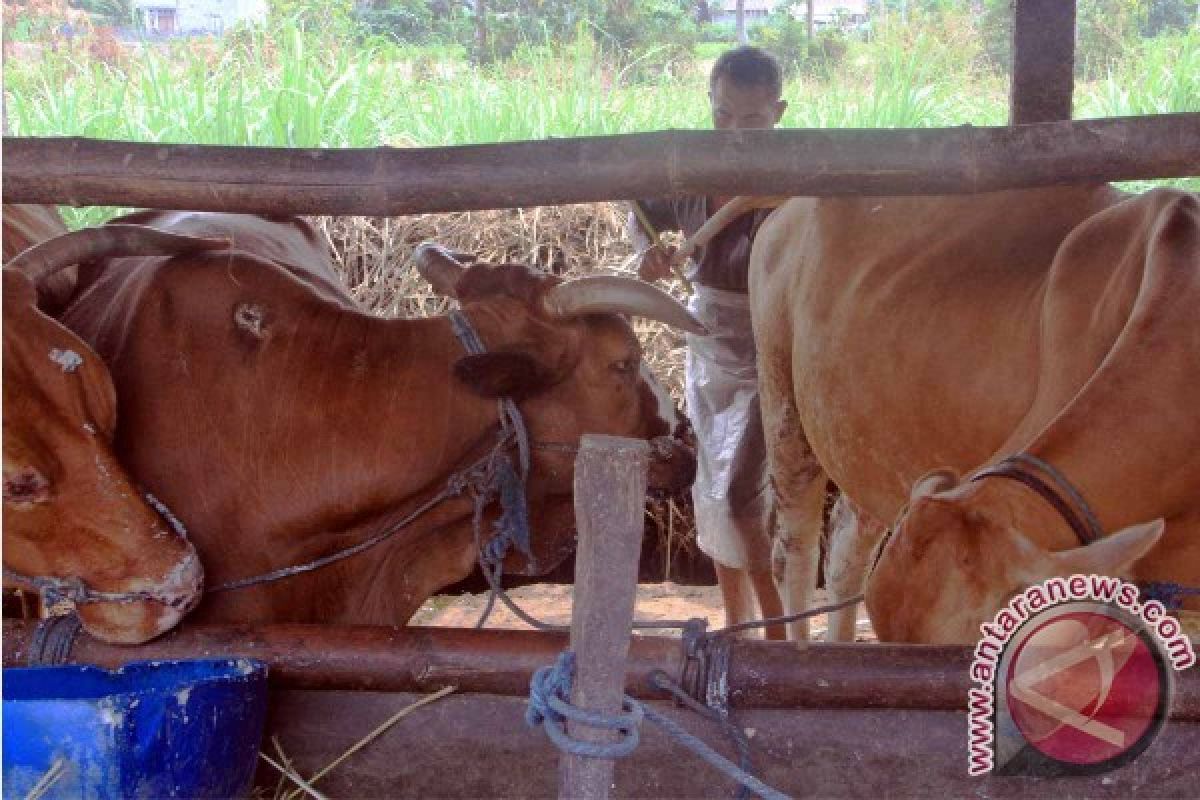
x: 550, y: 708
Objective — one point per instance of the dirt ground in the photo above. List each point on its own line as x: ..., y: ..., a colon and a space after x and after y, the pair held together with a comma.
x: 552, y: 603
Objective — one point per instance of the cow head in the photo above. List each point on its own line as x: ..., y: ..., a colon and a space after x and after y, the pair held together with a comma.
x: 566, y: 354
x: 70, y: 510
x: 952, y: 562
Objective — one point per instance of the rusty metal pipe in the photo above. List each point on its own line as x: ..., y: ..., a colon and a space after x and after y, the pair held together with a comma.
x: 362, y: 657
x: 819, y: 675
x: 763, y: 675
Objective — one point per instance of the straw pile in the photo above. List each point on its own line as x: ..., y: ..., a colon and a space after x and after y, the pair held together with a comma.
x: 373, y: 255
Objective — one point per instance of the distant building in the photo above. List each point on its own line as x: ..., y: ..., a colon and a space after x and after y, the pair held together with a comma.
x: 756, y: 11
x: 843, y: 13
x: 175, y: 17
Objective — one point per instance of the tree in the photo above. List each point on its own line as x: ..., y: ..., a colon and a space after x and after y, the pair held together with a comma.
x: 741, y: 22
x: 809, y: 22
x: 112, y: 13
x: 1164, y: 15
x: 482, y: 56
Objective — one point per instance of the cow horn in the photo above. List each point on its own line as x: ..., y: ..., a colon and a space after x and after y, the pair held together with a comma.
x: 438, y: 266
x: 607, y: 293
x: 106, y: 241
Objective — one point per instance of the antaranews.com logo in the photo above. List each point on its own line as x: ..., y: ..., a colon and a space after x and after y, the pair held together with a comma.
x: 1074, y: 677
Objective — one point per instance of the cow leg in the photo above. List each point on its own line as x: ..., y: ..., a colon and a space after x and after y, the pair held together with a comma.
x: 854, y: 537
x: 799, y: 483
x: 801, y: 544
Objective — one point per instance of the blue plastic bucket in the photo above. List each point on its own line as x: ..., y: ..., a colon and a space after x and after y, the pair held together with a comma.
x: 150, y: 729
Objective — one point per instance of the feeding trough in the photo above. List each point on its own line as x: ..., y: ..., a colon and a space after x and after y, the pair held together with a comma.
x: 150, y: 729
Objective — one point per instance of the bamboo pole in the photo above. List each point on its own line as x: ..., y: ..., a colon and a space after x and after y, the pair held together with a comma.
x: 389, y: 182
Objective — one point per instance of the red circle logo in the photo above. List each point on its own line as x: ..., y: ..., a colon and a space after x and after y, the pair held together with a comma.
x: 1087, y: 689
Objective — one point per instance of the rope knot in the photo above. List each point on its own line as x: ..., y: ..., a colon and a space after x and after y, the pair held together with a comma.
x: 512, y: 527
x: 64, y: 593
x: 550, y: 707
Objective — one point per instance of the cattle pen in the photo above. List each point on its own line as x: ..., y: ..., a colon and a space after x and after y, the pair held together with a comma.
x: 822, y: 720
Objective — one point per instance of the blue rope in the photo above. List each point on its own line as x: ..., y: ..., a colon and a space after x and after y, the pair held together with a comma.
x: 52, y: 640
x: 550, y: 707
x: 511, y: 419
x: 660, y: 680
x: 1169, y: 594
x: 512, y: 528
x: 712, y: 757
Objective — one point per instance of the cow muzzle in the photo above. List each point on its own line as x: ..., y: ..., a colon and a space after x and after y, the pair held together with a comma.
x: 159, y: 606
x: 672, y: 465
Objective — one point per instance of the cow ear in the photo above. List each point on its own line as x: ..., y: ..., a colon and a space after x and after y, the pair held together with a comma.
x: 939, y: 480
x: 505, y: 373
x: 1112, y: 555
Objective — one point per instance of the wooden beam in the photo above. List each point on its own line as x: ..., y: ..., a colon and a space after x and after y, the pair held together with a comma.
x: 390, y: 182
x: 1043, y: 47
x: 610, y: 498
x: 476, y: 746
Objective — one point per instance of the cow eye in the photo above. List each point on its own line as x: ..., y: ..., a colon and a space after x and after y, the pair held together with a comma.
x: 625, y: 366
x: 26, y: 487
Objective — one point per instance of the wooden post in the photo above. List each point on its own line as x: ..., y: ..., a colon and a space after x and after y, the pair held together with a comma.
x: 610, y: 497
x: 1043, y: 61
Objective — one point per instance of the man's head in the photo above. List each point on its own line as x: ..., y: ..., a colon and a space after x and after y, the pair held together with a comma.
x: 744, y: 89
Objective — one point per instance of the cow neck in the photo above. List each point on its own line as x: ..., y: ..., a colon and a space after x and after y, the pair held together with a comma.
x: 1061, y: 506
x: 510, y: 418
x: 414, y: 359
x: 483, y: 478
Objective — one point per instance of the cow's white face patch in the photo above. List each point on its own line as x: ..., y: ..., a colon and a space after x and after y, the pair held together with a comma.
x: 69, y: 360
x: 666, y: 405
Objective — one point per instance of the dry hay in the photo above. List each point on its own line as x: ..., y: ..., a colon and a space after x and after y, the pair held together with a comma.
x: 374, y: 258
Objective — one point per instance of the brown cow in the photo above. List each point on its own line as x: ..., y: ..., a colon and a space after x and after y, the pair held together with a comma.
x: 74, y: 521
x: 283, y: 424
x: 903, y: 335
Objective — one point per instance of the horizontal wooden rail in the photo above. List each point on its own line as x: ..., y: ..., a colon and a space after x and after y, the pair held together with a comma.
x: 419, y: 659
x: 389, y: 181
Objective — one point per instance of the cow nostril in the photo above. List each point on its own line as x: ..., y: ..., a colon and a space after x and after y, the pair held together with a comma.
x: 26, y: 487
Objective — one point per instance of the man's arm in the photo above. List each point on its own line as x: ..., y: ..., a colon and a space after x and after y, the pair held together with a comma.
x: 659, y: 215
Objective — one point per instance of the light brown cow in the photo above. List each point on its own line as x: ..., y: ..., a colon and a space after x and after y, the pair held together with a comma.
x: 283, y: 424
x: 74, y: 521
x: 903, y: 335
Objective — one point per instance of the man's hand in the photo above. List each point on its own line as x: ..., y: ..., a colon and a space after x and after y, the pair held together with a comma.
x: 656, y: 263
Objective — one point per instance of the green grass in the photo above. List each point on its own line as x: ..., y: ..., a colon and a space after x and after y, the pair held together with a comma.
x: 289, y: 87
x: 1162, y: 76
